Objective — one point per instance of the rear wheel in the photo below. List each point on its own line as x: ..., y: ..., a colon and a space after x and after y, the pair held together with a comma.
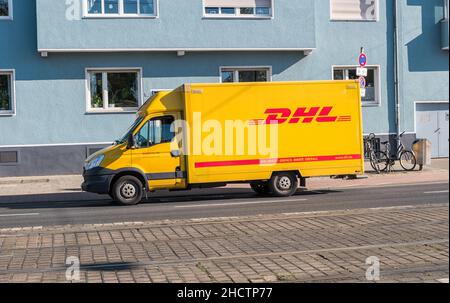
x: 127, y: 190
x: 260, y: 187
x: 283, y: 184
x: 408, y: 160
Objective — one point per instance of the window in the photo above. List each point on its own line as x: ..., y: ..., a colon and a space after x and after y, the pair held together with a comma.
x: 372, y: 87
x: 229, y: 75
x: 354, y: 10
x: 120, y: 8
x: 7, y: 106
x: 114, y: 90
x: 9, y: 157
x: 5, y: 9
x: 156, y: 131
x: 238, y: 8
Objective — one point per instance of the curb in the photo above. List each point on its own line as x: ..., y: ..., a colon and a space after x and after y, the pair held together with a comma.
x: 24, y: 181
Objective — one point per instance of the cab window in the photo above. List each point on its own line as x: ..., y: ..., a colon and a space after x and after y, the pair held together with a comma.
x: 155, y: 131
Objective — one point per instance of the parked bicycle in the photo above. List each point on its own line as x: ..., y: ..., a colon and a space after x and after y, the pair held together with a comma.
x: 371, y: 153
x: 386, y: 160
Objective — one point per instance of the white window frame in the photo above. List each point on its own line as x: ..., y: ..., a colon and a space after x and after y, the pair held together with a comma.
x: 10, y: 11
x: 12, y: 74
x: 377, y: 17
x: 237, y: 14
x: 121, y: 13
x: 105, y: 109
x: 446, y: 8
x: 237, y: 69
x: 377, y: 102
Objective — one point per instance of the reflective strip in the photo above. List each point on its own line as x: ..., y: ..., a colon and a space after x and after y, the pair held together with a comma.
x: 166, y: 176
x: 277, y: 161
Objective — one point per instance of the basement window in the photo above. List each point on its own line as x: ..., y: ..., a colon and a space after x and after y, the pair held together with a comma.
x: 9, y: 157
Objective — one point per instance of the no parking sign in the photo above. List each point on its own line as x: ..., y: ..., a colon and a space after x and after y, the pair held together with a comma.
x: 362, y: 60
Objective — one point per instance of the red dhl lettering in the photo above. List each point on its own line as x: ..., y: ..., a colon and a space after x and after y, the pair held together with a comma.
x: 301, y: 115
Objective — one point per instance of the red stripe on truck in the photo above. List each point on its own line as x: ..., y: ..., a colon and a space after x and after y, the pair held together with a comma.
x: 277, y: 161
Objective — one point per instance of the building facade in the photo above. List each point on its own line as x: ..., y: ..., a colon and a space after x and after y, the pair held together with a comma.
x: 73, y: 73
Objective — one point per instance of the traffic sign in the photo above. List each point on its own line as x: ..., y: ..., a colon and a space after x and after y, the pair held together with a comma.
x: 361, y: 72
x: 362, y: 82
x: 362, y: 60
x: 363, y: 92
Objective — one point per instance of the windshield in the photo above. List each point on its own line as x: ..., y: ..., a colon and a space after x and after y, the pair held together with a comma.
x: 130, y: 130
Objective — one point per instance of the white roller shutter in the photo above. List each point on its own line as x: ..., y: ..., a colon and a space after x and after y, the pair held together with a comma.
x: 238, y: 3
x: 354, y: 9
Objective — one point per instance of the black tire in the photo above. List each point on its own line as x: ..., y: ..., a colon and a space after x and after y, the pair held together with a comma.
x: 382, y: 160
x: 260, y: 187
x: 127, y: 190
x: 374, y: 162
x: 283, y: 184
x: 408, y: 160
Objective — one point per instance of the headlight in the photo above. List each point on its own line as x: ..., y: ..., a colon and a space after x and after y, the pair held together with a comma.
x: 94, y: 163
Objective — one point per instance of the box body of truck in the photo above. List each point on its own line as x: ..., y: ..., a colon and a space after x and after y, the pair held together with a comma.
x: 319, y: 130
x: 202, y: 135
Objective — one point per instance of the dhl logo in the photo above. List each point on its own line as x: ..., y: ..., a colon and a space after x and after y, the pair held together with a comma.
x: 301, y: 115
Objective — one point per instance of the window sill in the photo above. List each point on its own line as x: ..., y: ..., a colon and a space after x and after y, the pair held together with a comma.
x: 354, y: 20
x: 7, y: 113
x: 6, y: 18
x: 121, y: 17
x: 206, y: 17
x: 371, y: 104
x: 112, y: 111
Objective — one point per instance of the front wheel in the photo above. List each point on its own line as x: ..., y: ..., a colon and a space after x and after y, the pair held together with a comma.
x: 283, y: 184
x: 408, y: 160
x: 381, y: 161
x: 127, y: 190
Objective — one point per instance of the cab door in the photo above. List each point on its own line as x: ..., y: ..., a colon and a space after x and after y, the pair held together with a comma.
x: 156, y: 156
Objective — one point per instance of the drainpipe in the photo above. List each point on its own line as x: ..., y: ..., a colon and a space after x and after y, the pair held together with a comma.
x: 396, y: 69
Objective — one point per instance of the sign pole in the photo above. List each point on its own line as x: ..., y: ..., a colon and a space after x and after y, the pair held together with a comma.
x: 361, y: 72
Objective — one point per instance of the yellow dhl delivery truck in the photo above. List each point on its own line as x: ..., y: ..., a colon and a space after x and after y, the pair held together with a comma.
x: 272, y: 136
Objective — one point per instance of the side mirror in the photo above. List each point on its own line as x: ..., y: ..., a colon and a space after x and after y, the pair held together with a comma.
x: 131, y: 142
x: 175, y: 153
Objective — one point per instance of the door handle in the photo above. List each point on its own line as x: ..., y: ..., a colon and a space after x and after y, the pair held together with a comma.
x: 437, y: 130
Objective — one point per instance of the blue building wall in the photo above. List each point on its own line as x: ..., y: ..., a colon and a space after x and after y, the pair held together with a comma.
x: 180, y: 24
x: 51, y: 92
x: 424, y: 65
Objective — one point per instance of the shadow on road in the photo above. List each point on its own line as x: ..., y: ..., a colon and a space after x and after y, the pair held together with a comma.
x: 82, y: 199
x: 117, y: 266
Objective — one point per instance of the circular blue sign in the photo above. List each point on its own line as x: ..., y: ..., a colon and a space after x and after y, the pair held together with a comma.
x: 362, y: 60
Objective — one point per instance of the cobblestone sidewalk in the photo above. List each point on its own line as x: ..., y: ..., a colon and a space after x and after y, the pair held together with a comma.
x: 411, y: 244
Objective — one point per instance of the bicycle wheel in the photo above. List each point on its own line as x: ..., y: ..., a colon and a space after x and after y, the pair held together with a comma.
x: 408, y: 160
x: 374, y: 162
x: 380, y: 161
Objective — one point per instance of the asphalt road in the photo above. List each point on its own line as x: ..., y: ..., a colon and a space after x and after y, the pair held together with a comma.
x: 83, y: 208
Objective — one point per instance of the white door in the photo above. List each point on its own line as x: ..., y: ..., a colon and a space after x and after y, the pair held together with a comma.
x: 432, y: 124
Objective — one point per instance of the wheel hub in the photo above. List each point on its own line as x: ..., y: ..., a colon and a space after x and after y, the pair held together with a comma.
x: 284, y: 183
x: 128, y: 191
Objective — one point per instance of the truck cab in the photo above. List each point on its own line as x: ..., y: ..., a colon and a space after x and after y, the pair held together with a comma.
x: 146, y: 158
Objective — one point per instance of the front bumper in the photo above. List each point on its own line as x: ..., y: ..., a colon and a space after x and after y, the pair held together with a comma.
x: 96, y: 182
